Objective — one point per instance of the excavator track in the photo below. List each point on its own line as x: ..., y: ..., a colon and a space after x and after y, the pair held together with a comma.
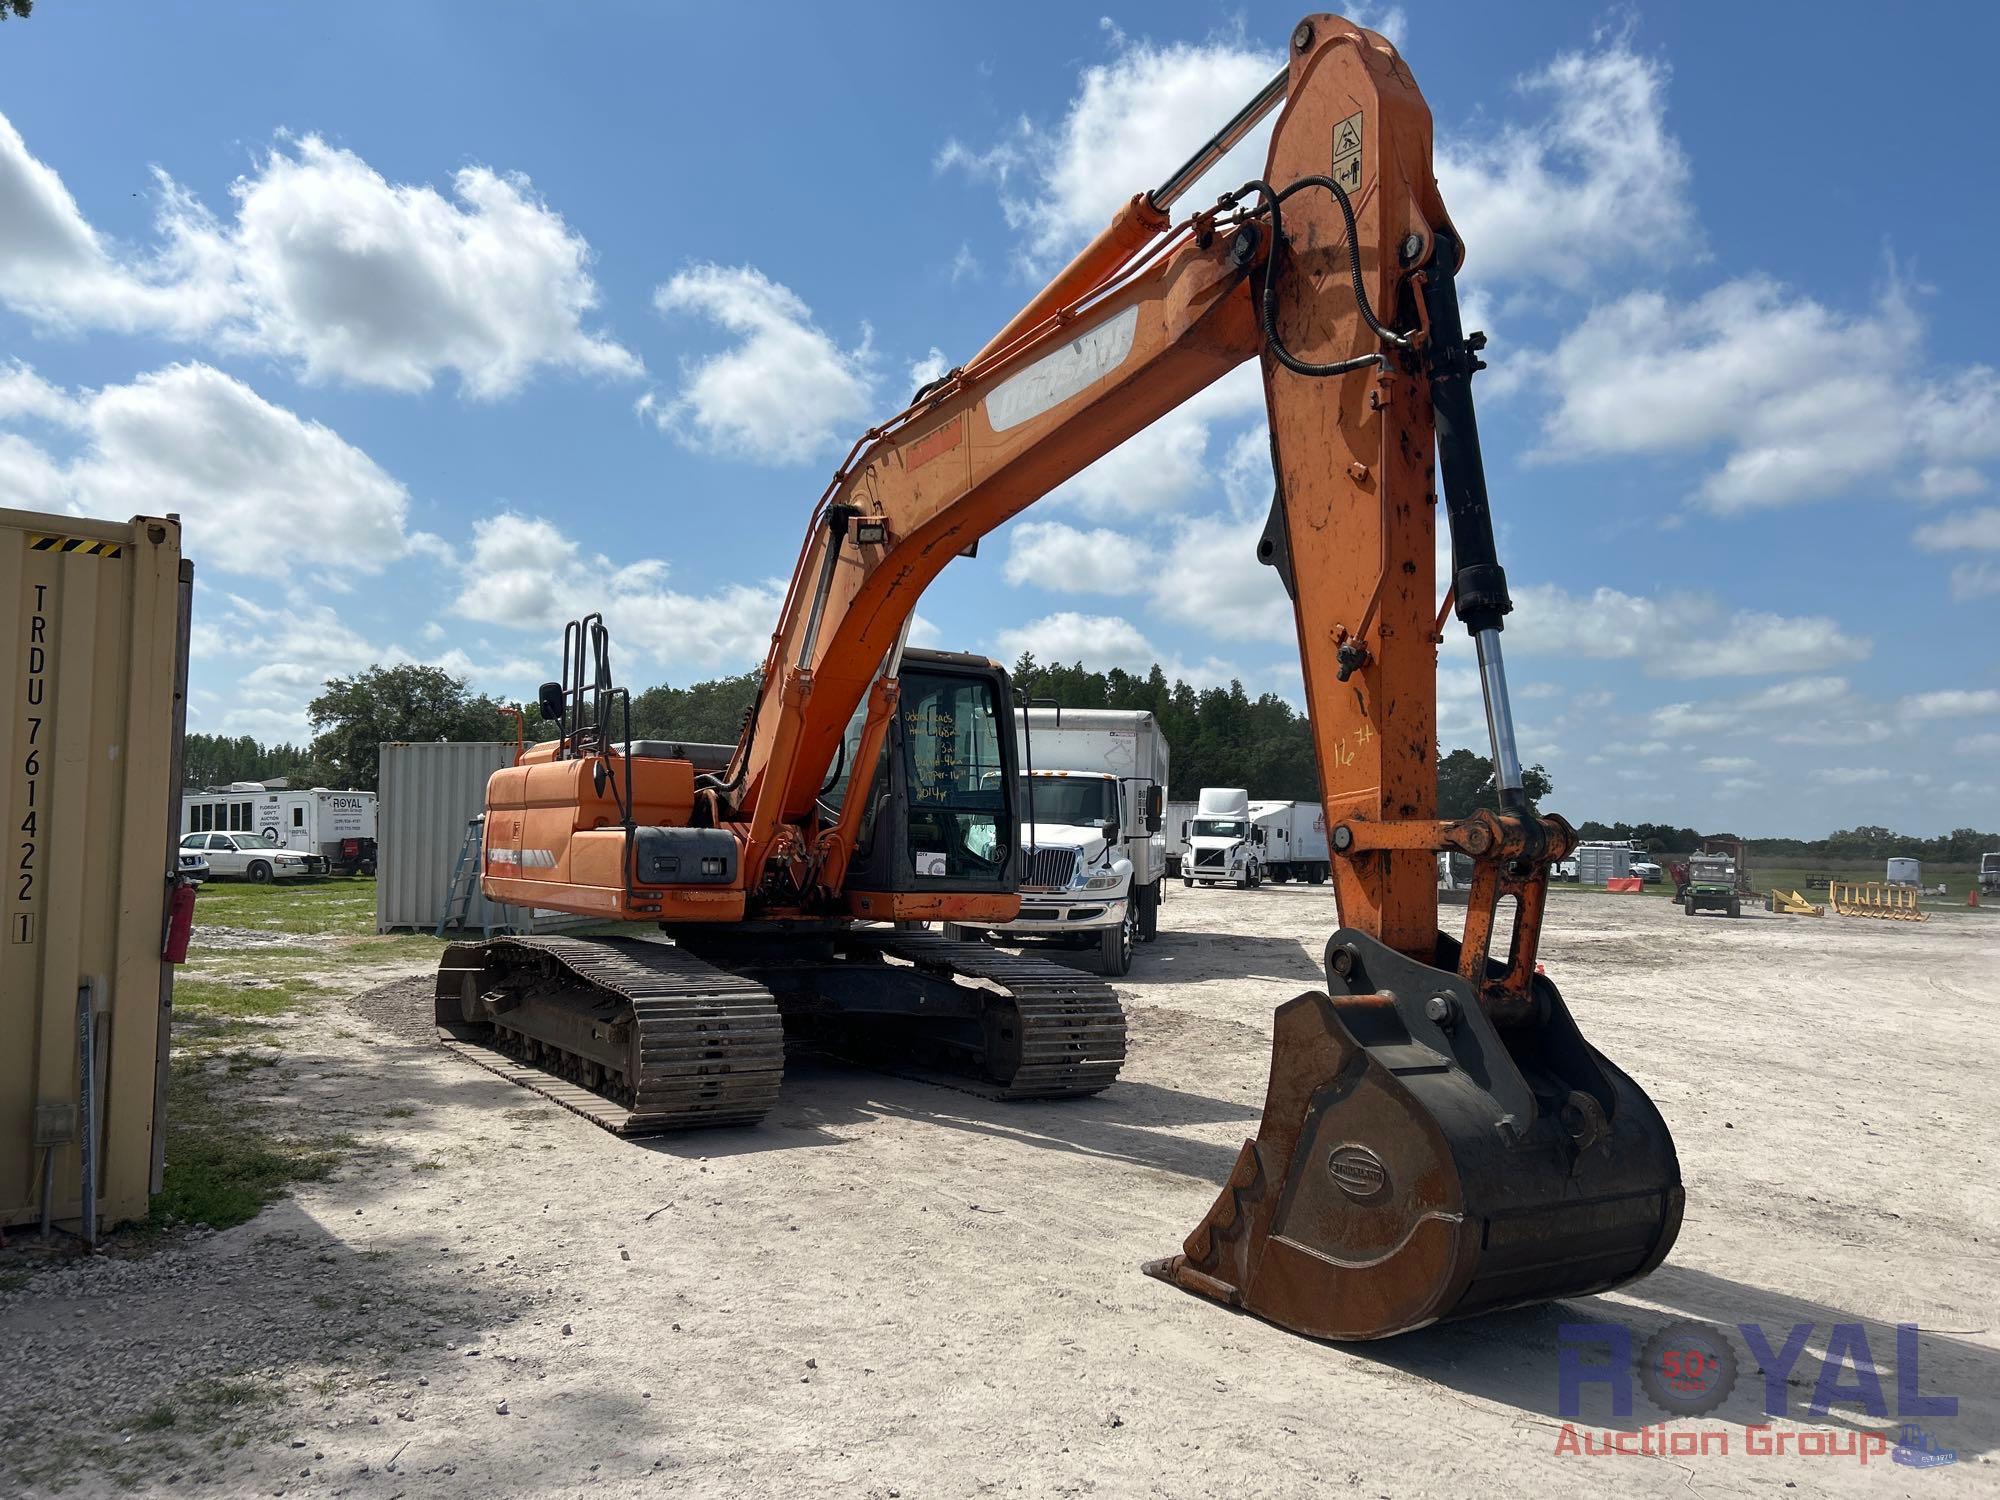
x: 1055, y: 1033
x: 640, y: 1037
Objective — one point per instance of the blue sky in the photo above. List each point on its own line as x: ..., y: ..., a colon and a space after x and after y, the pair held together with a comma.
x: 441, y: 324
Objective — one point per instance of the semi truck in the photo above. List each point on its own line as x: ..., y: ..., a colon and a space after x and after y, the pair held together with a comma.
x: 333, y: 830
x: 1220, y: 847
x: 1093, y: 789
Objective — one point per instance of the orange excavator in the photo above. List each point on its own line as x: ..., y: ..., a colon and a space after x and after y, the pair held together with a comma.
x: 1437, y: 1139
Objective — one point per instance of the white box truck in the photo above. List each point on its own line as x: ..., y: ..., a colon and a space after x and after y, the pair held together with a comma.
x: 1290, y: 840
x: 334, y: 830
x: 1094, y: 785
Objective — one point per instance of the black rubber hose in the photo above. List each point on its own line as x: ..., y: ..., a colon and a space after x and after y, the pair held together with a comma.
x: 1268, y: 298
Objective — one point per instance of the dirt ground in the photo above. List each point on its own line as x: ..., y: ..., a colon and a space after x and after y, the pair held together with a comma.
x: 890, y: 1289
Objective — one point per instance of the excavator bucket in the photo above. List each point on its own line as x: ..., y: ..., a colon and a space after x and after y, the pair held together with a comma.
x: 1417, y: 1162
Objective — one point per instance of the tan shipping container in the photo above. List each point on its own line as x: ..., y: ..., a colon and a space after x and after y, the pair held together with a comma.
x: 93, y: 690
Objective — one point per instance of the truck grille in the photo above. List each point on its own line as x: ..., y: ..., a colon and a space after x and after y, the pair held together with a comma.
x: 1209, y: 857
x: 1050, y: 869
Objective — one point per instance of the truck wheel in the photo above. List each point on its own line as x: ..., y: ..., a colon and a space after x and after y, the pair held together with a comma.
x: 1188, y: 881
x: 1735, y: 907
x: 1316, y: 875
x: 1114, y: 948
x: 259, y: 872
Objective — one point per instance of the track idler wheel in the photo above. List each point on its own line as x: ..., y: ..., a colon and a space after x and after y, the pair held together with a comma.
x: 1416, y: 1163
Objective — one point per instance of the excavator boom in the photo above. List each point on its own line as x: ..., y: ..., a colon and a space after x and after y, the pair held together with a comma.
x: 1437, y: 1139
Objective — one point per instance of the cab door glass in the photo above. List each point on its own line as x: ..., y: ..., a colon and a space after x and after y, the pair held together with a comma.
x: 959, y: 824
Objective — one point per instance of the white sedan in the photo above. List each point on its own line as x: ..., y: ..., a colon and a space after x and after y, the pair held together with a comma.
x: 248, y: 857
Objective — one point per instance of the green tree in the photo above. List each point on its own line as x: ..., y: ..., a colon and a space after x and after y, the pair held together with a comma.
x: 16, y: 7
x: 353, y: 716
x: 1465, y: 784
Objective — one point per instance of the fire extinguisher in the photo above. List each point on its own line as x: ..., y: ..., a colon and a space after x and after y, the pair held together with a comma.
x: 180, y: 923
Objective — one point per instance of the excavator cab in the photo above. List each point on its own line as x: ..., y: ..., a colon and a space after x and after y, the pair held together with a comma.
x: 940, y: 818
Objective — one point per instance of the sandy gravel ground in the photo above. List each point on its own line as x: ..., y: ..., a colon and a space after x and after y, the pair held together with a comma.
x: 893, y: 1290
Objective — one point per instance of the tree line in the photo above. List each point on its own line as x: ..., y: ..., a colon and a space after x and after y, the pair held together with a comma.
x: 1220, y: 737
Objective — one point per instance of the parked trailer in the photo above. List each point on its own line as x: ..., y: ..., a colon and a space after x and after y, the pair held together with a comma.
x: 1293, y: 840
x: 93, y: 695
x: 1904, y: 871
x: 336, y: 829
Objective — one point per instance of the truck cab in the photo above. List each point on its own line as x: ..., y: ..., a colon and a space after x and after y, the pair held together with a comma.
x: 1089, y: 795
x: 1223, y: 844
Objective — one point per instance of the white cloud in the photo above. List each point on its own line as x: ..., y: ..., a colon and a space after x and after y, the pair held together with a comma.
x: 1158, y: 469
x: 1102, y: 642
x: 1597, y: 178
x: 933, y: 366
x: 1950, y: 703
x: 1979, y: 744
x: 1210, y: 574
x: 1053, y: 556
x: 256, y: 484
x: 326, y: 264
x: 1593, y: 176
x: 1802, y: 403
x: 1132, y: 121
x: 525, y: 573
x: 1854, y: 775
x: 1975, y: 580
x: 1777, y: 712
x: 1720, y: 763
x: 1969, y: 529
x: 1674, y: 635
x: 783, y: 394
x: 278, y: 658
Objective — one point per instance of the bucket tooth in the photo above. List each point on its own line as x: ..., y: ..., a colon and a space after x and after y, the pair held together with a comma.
x: 1415, y: 1164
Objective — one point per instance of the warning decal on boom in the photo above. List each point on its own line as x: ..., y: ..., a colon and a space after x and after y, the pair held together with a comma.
x: 1347, y: 152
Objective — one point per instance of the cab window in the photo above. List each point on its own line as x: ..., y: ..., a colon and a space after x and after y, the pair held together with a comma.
x: 960, y: 828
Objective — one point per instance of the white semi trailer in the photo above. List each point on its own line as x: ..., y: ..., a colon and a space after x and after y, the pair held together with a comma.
x: 1290, y: 838
x: 1094, y: 785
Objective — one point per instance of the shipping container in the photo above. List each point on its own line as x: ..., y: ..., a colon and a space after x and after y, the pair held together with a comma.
x: 93, y: 693
x: 1597, y: 863
x: 427, y: 795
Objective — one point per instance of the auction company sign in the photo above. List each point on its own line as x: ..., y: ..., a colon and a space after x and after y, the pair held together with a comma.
x: 1688, y: 1369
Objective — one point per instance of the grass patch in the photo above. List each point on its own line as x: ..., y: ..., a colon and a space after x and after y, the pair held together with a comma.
x: 162, y: 1416
x: 341, y: 905
x: 223, y: 1164
x: 203, y: 997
